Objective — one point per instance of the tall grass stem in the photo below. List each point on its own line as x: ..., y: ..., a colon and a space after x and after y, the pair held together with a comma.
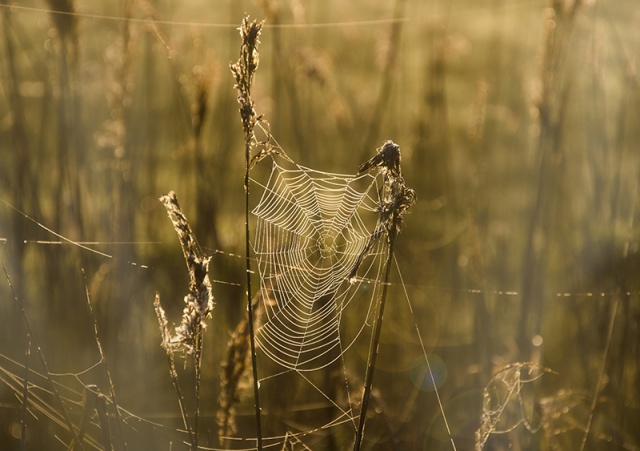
x: 373, y: 353
x: 243, y: 71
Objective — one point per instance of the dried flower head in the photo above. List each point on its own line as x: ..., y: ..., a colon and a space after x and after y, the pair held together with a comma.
x: 199, y: 301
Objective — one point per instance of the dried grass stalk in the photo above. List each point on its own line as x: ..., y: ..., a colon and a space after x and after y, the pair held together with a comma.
x: 173, y: 373
x: 395, y: 200
x: 199, y: 302
x: 243, y: 72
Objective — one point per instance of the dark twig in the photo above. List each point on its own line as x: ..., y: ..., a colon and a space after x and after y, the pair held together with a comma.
x: 396, y: 200
x: 373, y: 354
x: 89, y: 398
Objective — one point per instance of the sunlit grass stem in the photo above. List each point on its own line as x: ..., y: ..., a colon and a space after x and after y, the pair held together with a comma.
x: 243, y: 71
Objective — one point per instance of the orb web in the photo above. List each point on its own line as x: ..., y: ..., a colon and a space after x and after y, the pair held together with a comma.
x: 313, y: 229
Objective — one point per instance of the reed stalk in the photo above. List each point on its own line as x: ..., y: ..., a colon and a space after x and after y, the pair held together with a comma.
x: 243, y: 71
x: 395, y: 200
x: 373, y: 352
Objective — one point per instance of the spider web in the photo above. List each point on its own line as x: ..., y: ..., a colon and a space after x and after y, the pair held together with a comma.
x: 313, y: 230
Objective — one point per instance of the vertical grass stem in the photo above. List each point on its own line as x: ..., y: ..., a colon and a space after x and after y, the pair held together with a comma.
x: 243, y: 71
x: 373, y: 353
x: 395, y: 200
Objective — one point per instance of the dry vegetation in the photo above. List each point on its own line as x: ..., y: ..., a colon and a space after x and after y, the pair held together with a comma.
x: 518, y: 123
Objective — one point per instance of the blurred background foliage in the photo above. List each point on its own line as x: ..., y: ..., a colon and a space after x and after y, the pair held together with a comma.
x: 519, y: 126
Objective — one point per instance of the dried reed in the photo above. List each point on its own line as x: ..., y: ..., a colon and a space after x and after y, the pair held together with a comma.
x: 244, y: 71
x: 395, y: 200
x: 199, y: 304
x: 199, y: 301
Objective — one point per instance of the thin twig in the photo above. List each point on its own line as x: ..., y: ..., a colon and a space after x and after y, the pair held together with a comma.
x: 103, y: 419
x: 254, y: 360
x: 197, y: 363
x: 373, y: 354
x: 89, y: 398
x: 103, y: 359
x: 25, y: 395
x: 599, y: 384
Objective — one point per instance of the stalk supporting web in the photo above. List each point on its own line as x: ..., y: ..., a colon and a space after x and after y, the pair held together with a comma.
x: 243, y: 71
x: 319, y: 238
x: 395, y: 199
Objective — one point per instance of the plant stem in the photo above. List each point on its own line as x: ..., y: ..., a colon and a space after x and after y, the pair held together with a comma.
x: 25, y: 395
x: 254, y: 363
x: 601, y: 377
x: 243, y: 71
x: 103, y: 358
x: 373, y: 351
x: 197, y: 362
x: 173, y: 373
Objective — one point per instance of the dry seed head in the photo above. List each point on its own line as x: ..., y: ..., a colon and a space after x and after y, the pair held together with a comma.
x: 243, y: 71
x: 199, y: 302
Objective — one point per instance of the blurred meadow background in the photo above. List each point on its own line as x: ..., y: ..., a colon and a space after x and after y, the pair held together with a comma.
x: 519, y: 123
